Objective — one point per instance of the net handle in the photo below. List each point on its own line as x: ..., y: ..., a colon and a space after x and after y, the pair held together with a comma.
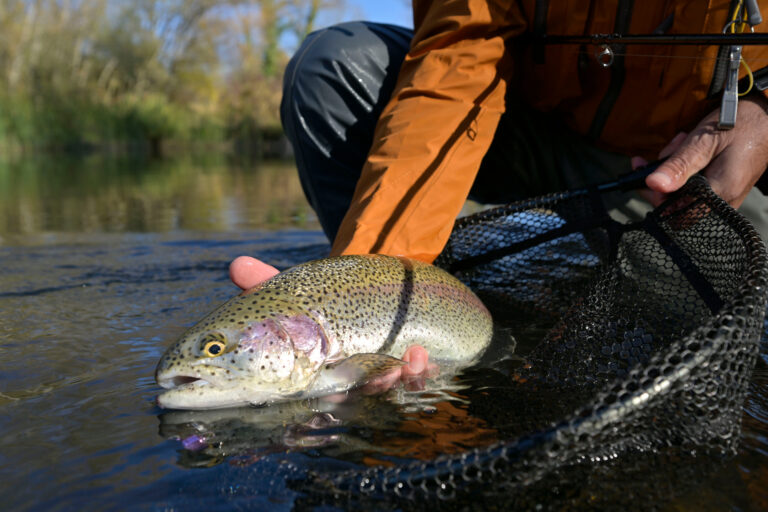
x: 631, y: 180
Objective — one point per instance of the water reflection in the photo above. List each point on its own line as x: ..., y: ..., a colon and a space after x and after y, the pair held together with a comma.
x: 247, y: 434
x: 355, y: 428
x: 98, y: 193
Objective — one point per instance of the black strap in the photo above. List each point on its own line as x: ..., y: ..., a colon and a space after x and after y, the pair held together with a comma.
x: 540, y: 29
x: 685, y: 264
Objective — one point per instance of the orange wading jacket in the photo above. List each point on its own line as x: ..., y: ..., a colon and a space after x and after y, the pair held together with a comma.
x: 436, y: 128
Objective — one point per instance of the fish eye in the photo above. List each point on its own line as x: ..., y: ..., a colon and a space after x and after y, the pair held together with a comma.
x: 213, y: 348
x: 213, y: 344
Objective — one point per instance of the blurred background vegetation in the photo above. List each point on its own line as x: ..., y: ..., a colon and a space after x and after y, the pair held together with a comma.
x: 152, y: 75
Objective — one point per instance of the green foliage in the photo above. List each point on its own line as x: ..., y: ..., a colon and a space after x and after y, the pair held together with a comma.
x: 105, y: 72
x: 152, y: 115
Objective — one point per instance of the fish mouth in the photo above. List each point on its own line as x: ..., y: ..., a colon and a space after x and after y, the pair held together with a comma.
x: 193, y: 393
x: 199, y: 375
x: 181, y: 381
x: 198, y: 389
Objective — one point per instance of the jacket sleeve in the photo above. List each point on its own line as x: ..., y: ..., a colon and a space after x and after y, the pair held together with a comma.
x: 435, y: 130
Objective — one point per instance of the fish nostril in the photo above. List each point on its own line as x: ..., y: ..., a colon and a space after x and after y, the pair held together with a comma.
x: 182, y: 379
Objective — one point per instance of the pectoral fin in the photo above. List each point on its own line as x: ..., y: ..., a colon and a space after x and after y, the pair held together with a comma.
x: 352, y: 372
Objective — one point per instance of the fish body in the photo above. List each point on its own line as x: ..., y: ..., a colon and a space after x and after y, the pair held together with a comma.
x: 322, y: 327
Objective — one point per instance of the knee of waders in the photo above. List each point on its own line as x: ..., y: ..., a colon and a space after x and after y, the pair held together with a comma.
x: 340, y: 76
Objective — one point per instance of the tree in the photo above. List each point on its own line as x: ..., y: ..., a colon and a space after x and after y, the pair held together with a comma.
x: 101, y: 70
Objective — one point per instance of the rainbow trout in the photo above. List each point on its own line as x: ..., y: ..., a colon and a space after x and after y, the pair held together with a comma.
x: 320, y: 328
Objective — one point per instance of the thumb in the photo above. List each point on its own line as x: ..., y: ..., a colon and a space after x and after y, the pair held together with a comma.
x: 691, y: 155
x: 247, y: 272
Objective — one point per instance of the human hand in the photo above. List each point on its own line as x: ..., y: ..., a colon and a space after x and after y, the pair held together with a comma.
x: 247, y: 272
x: 733, y: 160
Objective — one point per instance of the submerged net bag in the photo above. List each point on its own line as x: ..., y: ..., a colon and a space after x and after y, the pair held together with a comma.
x: 639, y: 341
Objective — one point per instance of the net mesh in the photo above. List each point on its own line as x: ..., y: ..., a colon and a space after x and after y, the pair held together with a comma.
x: 647, y: 335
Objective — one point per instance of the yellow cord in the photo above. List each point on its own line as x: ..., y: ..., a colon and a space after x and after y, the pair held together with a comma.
x: 742, y: 27
x: 751, y: 78
x: 736, y: 14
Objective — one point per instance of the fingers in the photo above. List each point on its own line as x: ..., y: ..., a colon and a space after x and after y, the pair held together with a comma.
x: 651, y: 195
x: 417, y: 357
x: 690, y: 156
x: 413, y: 374
x: 638, y: 161
x: 382, y: 383
x: 247, y: 272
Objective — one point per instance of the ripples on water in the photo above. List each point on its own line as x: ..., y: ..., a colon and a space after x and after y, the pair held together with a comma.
x: 99, y: 277
x: 79, y: 337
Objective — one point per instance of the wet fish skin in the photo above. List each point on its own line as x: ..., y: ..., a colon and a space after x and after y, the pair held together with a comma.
x: 322, y: 327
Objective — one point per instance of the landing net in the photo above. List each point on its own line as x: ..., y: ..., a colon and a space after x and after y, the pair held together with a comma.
x: 650, y: 334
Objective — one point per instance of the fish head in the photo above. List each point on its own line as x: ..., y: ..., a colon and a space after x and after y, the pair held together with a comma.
x: 249, y: 351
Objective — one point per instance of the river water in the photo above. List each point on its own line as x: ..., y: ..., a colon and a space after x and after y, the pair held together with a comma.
x: 104, y: 262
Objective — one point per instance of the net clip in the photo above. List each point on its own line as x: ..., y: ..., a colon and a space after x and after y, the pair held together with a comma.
x: 730, y: 102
